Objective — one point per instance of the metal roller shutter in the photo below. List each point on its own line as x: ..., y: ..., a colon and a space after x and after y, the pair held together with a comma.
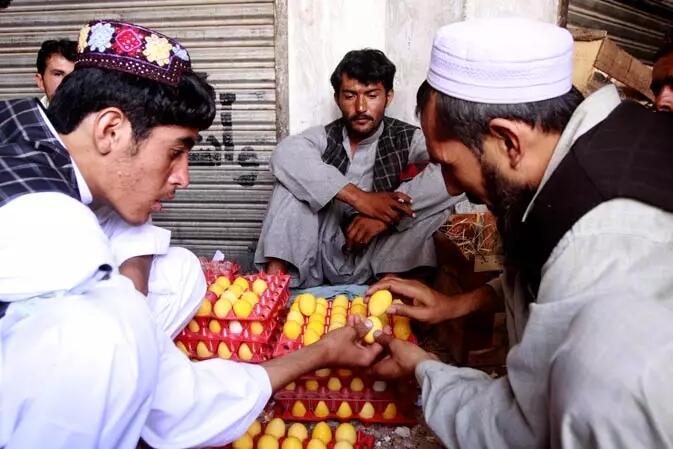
x: 234, y: 43
x: 638, y: 26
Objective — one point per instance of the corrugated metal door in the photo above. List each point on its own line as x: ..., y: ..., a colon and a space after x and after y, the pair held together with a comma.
x: 234, y: 43
x: 638, y: 26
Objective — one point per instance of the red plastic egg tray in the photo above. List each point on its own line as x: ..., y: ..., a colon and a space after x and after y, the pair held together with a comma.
x: 364, y: 441
x: 260, y: 351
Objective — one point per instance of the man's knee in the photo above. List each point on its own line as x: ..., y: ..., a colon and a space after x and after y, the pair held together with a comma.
x: 180, y: 267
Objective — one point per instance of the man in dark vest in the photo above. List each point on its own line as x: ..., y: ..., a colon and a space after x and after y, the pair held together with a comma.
x: 662, y: 75
x: 340, y: 212
x: 84, y: 361
x: 583, y: 193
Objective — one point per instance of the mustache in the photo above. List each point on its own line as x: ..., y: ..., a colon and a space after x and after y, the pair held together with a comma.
x: 361, y: 117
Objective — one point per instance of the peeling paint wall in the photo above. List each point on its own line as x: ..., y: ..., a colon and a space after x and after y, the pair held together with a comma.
x: 320, y: 32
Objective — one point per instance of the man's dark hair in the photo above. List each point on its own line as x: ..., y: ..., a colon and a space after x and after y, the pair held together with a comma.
x: 146, y: 103
x: 63, y: 47
x: 666, y: 47
x: 368, y: 66
x: 468, y: 122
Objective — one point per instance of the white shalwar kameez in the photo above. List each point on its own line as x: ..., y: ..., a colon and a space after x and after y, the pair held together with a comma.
x: 83, y: 363
x: 606, y: 295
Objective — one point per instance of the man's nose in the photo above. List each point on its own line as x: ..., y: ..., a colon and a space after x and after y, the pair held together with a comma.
x: 361, y: 104
x: 180, y: 174
x: 664, y: 100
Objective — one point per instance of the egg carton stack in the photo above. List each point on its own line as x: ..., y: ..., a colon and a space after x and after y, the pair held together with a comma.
x: 277, y: 435
x: 237, y: 320
x: 342, y: 394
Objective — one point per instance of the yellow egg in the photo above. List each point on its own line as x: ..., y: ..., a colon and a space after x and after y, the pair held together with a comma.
x: 259, y: 286
x: 338, y: 319
x: 398, y: 301
x: 322, y: 301
x: 358, y: 300
x: 310, y: 337
x: 346, y: 432
x: 342, y: 445
x: 379, y: 302
x: 250, y: 297
x: 343, y: 372
x: 344, y: 411
x: 254, y: 429
x: 298, y: 431
x: 223, y: 281
x: 334, y: 384
x: 340, y: 300
x: 217, y: 289
x: 376, y: 325
x: 306, y: 304
x: 390, y: 411
x: 291, y: 386
x: 402, y: 330
x: 276, y: 428
x: 384, y: 319
x: 202, y: 350
x: 318, y: 328
x: 205, y: 309
x: 316, y: 444
x: 267, y: 442
x: 256, y: 328
x: 339, y: 310
x: 244, y: 352
x: 298, y: 409
x: 215, y: 326
x: 229, y: 296
x: 222, y: 308
x: 223, y: 351
x: 236, y: 290
x: 357, y: 385
x: 295, y: 316
x: 291, y: 443
x: 367, y: 411
x: 322, y: 432
x: 317, y: 318
x: 291, y: 329
x: 320, y: 308
x: 359, y: 310
x: 321, y: 410
x: 295, y: 306
x: 245, y: 442
x: 312, y: 385
x: 242, y: 309
x: 181, y: 346
x: 323, y: 372
x: 242, y: 283
x: 193, y: 326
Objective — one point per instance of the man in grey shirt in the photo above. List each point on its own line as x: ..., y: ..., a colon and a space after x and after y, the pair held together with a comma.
x: 339, y: 212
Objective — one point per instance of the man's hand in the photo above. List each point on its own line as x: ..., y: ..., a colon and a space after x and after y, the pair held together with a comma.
x: 362, y: 231
x: 402, y: 359
x: 345, y: 347
x: 427, y: 305
x: 385, y: 206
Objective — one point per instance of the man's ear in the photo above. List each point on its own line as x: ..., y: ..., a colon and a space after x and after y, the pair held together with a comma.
x: 389, y: 97
x: 108, y: 127
x: 509, y: 132
x: 39, y: 81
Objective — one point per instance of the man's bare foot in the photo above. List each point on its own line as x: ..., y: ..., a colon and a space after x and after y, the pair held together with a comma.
x: 276, y: 266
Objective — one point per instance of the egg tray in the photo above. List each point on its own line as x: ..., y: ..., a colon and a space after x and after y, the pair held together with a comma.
x: 283, y: 410
x: 212, y: 270
x: 286, y: 345
x: 273, y: 299
x: 364, y: 441
x: 261, y: 352
x: 271, y: 330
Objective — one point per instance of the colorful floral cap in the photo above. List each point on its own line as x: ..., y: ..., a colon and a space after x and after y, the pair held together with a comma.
x: 132, y: 49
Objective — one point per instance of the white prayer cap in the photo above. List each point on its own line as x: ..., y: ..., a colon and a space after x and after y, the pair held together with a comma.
x: 502, y: 60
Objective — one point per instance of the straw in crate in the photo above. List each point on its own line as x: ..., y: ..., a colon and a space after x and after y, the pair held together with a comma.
x: 276, y: 434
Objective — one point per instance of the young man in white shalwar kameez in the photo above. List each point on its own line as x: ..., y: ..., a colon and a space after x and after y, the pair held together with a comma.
x: 84, y: 362
x: 583, y: 193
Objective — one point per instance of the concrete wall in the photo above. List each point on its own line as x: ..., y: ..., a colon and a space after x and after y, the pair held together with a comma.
x: 320, y: 32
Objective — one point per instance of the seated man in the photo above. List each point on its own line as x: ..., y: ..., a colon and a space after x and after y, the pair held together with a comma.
x: 83, y: 362
x: 662, y: 76
x: 55, y: 60
x: 338, y: 212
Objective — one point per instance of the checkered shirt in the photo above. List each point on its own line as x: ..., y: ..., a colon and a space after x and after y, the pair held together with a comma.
x: 31, y: 158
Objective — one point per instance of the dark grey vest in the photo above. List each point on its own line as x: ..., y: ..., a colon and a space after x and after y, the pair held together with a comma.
x: 392, y: 153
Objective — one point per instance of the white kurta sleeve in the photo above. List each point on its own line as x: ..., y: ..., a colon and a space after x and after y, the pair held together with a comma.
x: 297, y: 164
x: 130, y: 241
x: 427, y: 189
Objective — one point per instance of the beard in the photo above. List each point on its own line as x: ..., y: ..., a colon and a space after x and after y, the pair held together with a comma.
x: 508, y: 203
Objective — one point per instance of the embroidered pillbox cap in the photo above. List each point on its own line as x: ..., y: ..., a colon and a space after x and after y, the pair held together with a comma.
x: 133, y: 49
x: 502, y: 60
